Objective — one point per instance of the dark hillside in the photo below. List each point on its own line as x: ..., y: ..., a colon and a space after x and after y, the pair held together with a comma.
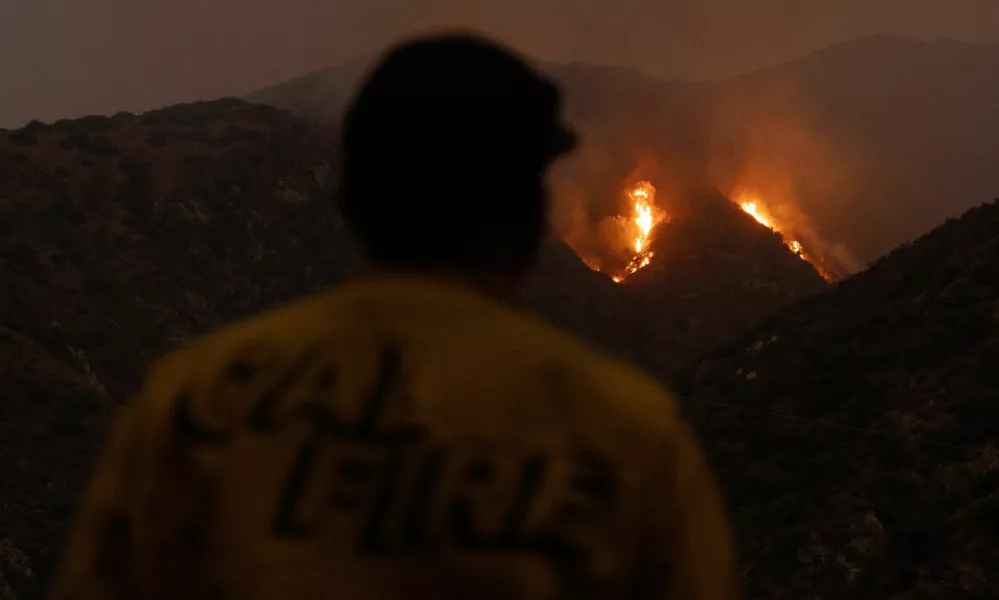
x: 715, y: 271
x: 119, y: 239
x: 857, y: 432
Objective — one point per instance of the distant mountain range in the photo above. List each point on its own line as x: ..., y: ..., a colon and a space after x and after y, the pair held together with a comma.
x: 861, y: 146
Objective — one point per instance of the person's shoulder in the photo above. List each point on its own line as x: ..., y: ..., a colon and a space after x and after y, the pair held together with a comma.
x: 631, y: 392
x: 286, y: 327
x: 603, y: 380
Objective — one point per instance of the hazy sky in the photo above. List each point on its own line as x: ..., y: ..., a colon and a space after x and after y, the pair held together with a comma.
x: 72, y: 57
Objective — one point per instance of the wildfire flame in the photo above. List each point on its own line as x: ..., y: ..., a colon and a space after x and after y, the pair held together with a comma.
x: 645, y: 218
x: 754, y: 208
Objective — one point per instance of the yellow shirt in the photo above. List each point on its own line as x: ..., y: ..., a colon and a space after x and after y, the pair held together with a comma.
x: 398, y: 438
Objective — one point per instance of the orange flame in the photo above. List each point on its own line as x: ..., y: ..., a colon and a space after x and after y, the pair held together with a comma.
x: 754, y: 208
x: 646, y: 217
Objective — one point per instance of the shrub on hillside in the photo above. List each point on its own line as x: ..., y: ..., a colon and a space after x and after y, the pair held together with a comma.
x: 65, y: 206
x: 27, y: 135
x: 102, y: 145
x: 122, y: 117
x: 91, y: 123
x: 23, y: 138
x: 77, y: 140
x: 19, y: 255
x: 156, y: 138
x: 136, y: 170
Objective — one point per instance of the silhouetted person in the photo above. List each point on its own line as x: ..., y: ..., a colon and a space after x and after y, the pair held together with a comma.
x: 412, y: 433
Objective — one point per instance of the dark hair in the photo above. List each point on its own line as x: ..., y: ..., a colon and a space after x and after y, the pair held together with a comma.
x: 444, y: 153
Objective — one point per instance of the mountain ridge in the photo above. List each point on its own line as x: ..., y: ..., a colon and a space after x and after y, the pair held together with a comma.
x: 864, y: 144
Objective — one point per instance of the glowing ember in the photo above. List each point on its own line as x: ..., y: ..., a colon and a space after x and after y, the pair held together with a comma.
x: 639, y: 262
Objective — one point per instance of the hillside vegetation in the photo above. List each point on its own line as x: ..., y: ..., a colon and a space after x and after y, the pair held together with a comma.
x: 856, y: 433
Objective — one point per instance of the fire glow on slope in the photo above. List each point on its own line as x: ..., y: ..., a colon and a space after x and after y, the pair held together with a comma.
x: 754, y: 208
x: 639, y: 227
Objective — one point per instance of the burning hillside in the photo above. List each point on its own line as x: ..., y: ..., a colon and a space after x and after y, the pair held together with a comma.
x: 629, y: 237
x: 754, y: 207
x: 638, y: 227
x: 620, y: 246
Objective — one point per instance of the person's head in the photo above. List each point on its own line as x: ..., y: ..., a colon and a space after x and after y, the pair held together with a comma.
x: 445, y: 149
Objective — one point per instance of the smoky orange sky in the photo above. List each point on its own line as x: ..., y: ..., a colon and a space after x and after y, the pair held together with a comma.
x: 65, y: 58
